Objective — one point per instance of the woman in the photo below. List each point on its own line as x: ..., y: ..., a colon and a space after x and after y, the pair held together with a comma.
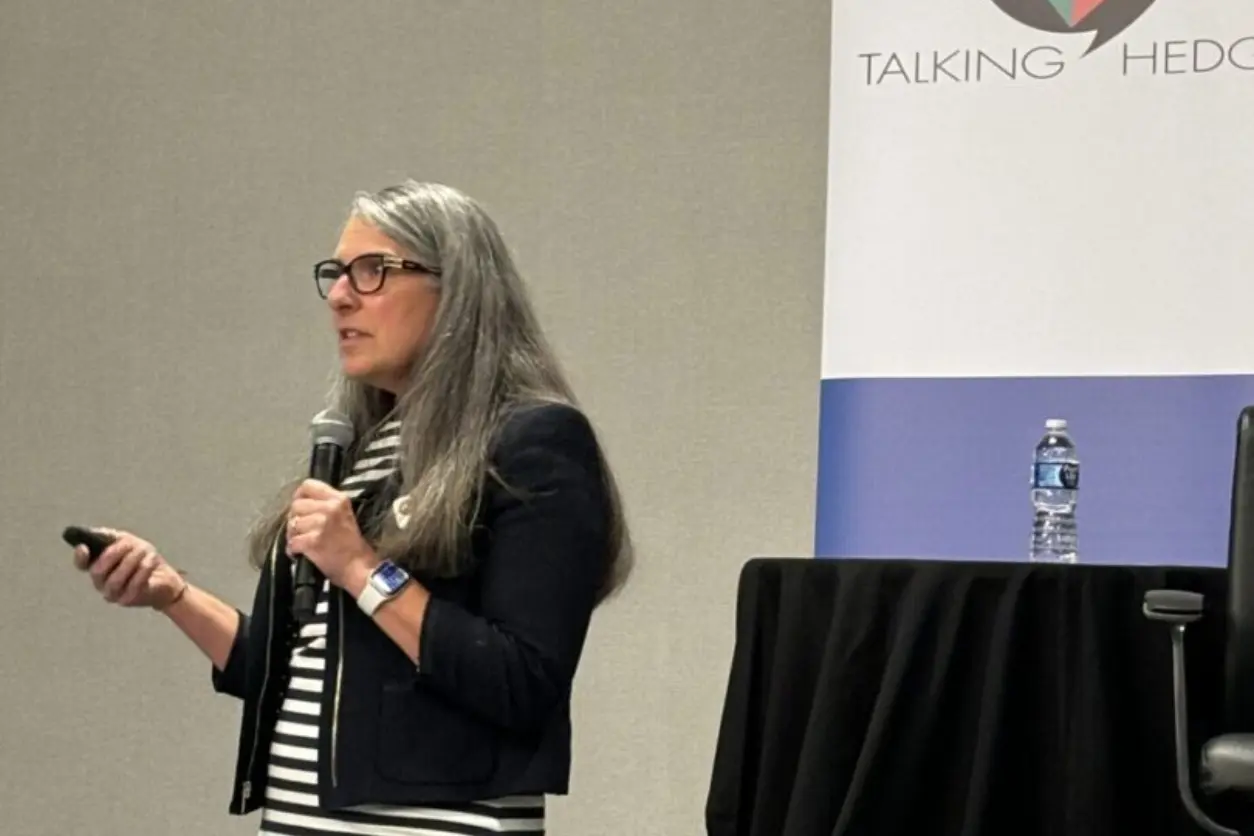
x: 463, y: 554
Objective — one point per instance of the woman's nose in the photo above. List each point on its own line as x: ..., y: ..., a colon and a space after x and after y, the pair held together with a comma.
x: 341, y: 294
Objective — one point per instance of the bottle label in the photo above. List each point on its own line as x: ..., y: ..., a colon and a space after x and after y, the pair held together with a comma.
x: 1056, y: 476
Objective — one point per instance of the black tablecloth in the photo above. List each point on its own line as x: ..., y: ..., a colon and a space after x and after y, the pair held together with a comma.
x: 874, y: 698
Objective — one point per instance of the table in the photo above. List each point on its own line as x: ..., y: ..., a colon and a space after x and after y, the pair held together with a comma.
x: 882, y: 697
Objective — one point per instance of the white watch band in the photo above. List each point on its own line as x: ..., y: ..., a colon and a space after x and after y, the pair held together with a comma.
x: 371, y: 599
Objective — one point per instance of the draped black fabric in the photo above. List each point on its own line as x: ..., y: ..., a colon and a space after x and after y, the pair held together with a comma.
x: 874, y: 698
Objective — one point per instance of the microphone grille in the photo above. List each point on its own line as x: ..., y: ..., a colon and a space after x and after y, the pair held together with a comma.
x: 332, y: 427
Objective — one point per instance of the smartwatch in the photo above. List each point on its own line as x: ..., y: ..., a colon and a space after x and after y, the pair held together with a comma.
x: 384, y: 584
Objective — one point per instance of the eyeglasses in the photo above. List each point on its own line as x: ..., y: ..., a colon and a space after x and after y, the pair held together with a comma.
x: 366, y: 273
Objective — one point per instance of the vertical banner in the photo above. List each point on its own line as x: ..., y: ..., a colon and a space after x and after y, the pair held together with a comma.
x: 1036, y: 209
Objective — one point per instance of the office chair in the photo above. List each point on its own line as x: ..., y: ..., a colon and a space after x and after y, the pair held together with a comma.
x: 1227, y: 761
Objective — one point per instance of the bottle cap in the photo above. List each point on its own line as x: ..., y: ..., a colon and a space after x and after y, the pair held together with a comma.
x: 1056, y: 424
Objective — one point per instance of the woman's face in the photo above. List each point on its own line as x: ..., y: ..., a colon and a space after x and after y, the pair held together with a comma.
x: 380, y: 334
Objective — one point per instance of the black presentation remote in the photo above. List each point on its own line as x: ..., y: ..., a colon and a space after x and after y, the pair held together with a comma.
x: 95, y: 541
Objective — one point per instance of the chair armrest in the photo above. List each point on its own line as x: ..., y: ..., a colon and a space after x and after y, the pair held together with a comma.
x: 1179, y: 608
x: 1174, y: 606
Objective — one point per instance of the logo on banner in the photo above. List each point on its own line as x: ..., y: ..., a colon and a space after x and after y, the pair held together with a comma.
x: 1102, y: 20
x: 1105, y: 18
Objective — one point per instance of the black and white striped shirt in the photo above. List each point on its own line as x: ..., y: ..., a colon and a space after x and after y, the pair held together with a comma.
x: 291, y: 807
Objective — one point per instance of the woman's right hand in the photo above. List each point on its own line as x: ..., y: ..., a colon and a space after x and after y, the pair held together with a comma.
x: 132, y: 573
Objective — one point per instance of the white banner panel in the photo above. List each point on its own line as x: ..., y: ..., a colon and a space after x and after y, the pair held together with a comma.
x: 1001, y: 203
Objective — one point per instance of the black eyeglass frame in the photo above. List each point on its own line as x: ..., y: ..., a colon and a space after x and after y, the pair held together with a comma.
x: 387, y: 261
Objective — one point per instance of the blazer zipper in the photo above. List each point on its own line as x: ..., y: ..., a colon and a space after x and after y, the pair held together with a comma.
x: 339, y: 678
x: 265, y: 679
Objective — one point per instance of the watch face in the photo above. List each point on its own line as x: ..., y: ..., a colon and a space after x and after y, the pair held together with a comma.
x: 389, y: 578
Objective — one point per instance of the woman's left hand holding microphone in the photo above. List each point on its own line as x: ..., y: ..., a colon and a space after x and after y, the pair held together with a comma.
x: 322, y: 527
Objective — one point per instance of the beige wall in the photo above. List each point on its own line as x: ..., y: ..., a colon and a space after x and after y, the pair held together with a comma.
x: 168, y: 172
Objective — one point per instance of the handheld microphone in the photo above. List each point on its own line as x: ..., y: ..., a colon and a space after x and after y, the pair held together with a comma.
x: 332, y: 434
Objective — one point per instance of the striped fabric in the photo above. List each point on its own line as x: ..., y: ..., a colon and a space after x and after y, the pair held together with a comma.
x: 291, y: 807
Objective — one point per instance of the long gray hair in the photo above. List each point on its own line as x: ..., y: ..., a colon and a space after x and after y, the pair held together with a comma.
x: 486, y: 356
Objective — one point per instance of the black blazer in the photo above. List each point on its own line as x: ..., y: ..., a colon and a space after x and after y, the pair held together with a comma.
x: 486, y: 713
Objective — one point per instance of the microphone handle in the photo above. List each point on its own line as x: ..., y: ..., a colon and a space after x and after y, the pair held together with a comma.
x: 325, y: 466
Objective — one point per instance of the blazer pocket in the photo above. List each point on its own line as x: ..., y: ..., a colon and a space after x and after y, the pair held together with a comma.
x: 424, y: 739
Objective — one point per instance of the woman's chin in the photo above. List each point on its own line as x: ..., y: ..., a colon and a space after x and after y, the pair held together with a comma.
x: 371, y: 376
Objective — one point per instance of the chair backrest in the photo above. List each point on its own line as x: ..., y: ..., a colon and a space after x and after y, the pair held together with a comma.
x: 1239, y: 662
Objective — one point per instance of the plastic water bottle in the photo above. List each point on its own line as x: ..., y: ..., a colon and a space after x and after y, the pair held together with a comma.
x: 1055, y: 489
